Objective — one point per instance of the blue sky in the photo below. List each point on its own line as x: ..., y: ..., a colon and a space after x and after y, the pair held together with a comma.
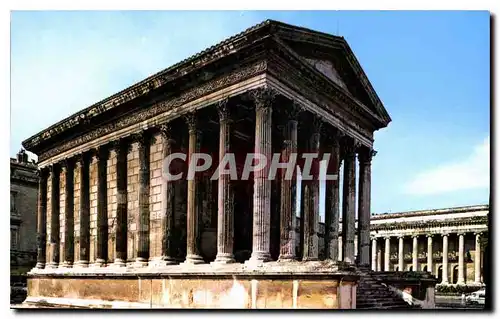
x: 430, y: 69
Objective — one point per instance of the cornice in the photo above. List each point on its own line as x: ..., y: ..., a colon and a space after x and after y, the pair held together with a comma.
x: 440, y: 211
x: 475, y: 220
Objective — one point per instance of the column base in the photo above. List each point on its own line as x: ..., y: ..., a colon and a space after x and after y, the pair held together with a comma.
x: 66, y: 264
x: 99, y: 263
x: 258, y: 257
x: 460, y: 282
x: 286, y: 258
x: 225, y: 258
x: 119, y: 263
x: 193, y: 260
x: 52, y: 265
x: 81, y: 264
x: 309, y: 258
x: 140, y: 262
x: 162, y: 261
x: 40, y: 265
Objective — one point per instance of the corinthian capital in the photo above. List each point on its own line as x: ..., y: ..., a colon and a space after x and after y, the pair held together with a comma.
x: 223, y: 109
x: 191, y: 121
x: 263, y: 97
x: 366, y: 154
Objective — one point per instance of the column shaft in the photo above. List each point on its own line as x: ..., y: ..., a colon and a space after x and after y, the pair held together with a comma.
x: 387, y: 254
x: 193, y: 208
x: 401, y: 254
x: 349, y: 198
x: 102, y: 207
x: 288, y: 190
x: 415, y: 253
x: 262, y: 185
x: 54, y: 217
x: 121, y: 203
x: 42, y: 219
x: 477, y: 259
x: 429, y: 254
x: 311, y: 196
x: 69, y: 231
x: 225, y: 207
x: 332, y: 199
x: 143, y: 216
x: 167, y: 220
x: 339, y: 252
x: 445, y: 259
x: 374, y: 254
x: 84, y: 253
x: 364, y: 206
x: 461, y: 279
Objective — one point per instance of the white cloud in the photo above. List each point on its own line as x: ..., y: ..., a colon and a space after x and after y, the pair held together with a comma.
x: 470, y: 173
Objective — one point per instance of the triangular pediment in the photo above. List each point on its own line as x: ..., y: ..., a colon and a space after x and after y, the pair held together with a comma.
x: 327, y: 68
x: 332, y: 56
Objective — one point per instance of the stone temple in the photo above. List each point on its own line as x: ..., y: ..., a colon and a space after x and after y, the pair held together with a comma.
x: 113, y: 232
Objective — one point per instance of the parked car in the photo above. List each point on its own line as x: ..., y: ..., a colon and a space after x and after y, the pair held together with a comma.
x: 476, y: 298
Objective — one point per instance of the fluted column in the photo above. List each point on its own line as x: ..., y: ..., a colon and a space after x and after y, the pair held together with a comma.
x: 364, y: 205
x: 121, y: 148
x: 42, y: 219
x: 288, y: 187
x: 54, y: 217
x: 167, y: 218
x: 193, y: 208
x: 387, y: 254
x: 225, y: 207
x: 84, y: 162
x: 262, y: 185
x: 445, y: 259
x: 415, y: 253
x: 429, y: 254
x: 374, y: 254
x: 461, y: 279
x: 339, y: 252
x: 349, y: 198
x: 401, y: 264
x: 102, y: 207
x: 477, y: 259
x: 143, y: 140
x: 332, y: 201
x: 69, y: 231
x: 311, y: 197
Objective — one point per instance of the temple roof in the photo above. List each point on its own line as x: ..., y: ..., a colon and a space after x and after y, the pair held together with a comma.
x: 305, y: 42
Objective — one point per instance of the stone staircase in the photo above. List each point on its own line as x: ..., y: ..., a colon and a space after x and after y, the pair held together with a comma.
x: 372, y: 294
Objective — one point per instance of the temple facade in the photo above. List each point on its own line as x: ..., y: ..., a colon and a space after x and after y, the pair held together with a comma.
x: 106, y: 209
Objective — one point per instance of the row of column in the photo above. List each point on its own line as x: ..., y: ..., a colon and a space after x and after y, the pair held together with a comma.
x: 461, y: 252
x: 339, y: 147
